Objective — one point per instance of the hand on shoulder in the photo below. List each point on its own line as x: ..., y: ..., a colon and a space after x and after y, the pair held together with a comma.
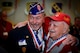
x: 21, y: 24
x: 70, y: 40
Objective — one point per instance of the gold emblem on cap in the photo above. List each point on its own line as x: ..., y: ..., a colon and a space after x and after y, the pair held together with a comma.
x: 66, y: 19
x: 27, y: 36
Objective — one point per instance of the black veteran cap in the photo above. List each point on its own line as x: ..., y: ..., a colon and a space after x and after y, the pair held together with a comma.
x: 35, y: 9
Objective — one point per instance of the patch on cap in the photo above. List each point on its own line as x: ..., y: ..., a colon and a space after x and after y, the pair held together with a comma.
x: 59, y: 16
x: 66, y: 19
x: 35, y: 9
x: 38, y: 7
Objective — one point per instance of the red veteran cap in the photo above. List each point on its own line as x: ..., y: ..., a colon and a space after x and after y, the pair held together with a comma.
x: 60, y: 16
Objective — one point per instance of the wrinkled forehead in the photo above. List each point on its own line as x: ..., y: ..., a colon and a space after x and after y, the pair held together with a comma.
x: 56, y: 22
x: 38, y: 15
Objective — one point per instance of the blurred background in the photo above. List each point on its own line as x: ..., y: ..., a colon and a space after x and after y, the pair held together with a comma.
x: 18, y: 9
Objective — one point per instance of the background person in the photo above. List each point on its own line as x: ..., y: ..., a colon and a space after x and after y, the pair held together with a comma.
x: 75, y: 29
x: 5, y: 27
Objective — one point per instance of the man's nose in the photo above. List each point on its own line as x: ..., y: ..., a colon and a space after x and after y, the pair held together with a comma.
x: 51, y: 27
x: 34, y: 21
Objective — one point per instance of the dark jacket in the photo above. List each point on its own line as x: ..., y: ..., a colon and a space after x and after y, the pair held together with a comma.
x: 18, y: 34
x: 2, y: 50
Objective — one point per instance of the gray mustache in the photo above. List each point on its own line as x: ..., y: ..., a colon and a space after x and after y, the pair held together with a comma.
x: 52, y: 31
x: 35, y: 24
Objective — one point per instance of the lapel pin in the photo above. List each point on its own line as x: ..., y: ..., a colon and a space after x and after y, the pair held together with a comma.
x: 27, y: 36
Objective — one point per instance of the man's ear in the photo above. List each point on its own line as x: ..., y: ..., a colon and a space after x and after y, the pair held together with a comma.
x: 44, y: 20
x: 65, y: 28
x: 28, y: 16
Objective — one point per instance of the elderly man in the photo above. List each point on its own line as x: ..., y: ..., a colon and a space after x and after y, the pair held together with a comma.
x: 29, y: 38
x: 58, y: 32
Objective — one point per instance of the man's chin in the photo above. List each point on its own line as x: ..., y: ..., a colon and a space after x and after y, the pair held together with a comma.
x: 35, y: 29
